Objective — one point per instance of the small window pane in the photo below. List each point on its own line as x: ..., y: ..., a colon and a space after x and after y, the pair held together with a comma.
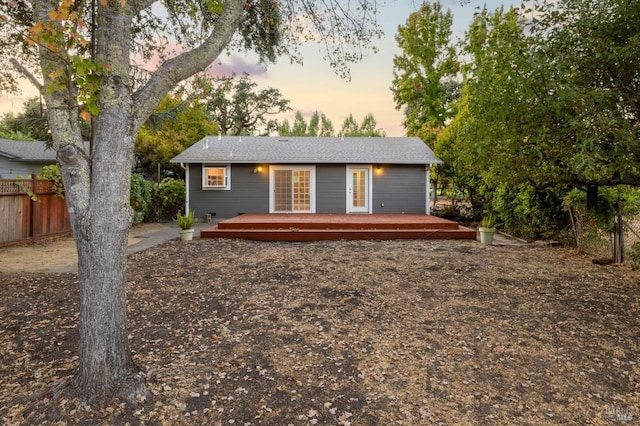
x: 215, y: 177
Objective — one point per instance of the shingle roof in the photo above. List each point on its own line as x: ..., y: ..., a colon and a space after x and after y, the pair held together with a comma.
x: 26, y: 151
x: 308, y: 150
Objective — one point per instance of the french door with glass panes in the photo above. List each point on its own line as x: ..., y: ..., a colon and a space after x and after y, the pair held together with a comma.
x: 358, y: 189
x: 292, y: 189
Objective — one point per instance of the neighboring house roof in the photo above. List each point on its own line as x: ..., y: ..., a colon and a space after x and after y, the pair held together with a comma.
x: 308, y: 150
x: 26, y: 151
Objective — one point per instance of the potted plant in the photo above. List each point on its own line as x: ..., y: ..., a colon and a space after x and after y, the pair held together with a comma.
x: 487, y: 229
x: 186, y: 223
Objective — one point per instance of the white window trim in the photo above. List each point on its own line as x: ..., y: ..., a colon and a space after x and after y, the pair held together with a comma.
x: 312, y: 185
x: 227, y: 177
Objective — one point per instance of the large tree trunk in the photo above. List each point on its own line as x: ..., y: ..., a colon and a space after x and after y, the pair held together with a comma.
x: 106, y: 364
x: 97, y: 182
x: 105, y: 357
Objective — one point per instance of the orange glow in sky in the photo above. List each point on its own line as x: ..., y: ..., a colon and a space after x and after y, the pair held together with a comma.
x: 314, y: 86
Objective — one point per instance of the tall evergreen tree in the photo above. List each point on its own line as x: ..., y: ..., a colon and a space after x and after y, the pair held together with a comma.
x: 318, y: 125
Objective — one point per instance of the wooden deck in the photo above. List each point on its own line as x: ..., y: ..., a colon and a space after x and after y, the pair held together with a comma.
x: 314, y: 227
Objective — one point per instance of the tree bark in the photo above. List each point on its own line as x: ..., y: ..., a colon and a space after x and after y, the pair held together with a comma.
x: 106, y: 363
x: 97, y: 182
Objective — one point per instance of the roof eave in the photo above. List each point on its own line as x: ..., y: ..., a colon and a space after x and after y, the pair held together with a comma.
x: 8, y: 155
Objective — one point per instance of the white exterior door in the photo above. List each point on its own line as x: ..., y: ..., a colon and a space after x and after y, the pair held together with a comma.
x: 358, y: 189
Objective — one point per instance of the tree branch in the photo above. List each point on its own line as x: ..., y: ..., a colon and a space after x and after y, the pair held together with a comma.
x: 24, y: 71
x: 188, y: 63
x: 139, y: 5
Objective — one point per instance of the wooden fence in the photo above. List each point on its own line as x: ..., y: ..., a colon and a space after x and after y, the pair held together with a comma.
x: 24, y: 219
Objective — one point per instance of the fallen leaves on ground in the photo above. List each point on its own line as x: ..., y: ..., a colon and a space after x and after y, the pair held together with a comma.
x: 343, y: 333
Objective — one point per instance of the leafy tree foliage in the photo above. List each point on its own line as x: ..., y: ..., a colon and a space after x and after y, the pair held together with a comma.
x: 176, y: 125
x: 238, y: 108
x: 597, y: 106
x: 52, y: 172
x: 30, y: 124
x: 424, y: 74
x: 549, y: 105
x: 368, y: 127
x: 79, y: 54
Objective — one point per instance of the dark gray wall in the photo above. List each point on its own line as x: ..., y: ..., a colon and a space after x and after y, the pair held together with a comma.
x: 249, y: 192
x: 331, y: 183
x: 400, y: 188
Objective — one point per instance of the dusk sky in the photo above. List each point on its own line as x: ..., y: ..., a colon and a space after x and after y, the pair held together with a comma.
x: 314, y: 86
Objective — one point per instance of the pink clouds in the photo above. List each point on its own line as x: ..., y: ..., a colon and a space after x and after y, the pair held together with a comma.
x: 224, y: 65
x: 235, y: 64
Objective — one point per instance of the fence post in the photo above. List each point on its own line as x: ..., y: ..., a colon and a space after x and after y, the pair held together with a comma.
x: 618, y: 238
x: 32, y: 206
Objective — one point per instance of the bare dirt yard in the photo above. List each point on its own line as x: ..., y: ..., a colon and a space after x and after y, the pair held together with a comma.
x: 58, y: 254
x: 235, y: 332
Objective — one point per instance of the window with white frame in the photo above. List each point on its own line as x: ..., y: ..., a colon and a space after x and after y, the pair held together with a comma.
x: 292, y: 189
x: 216, y: 177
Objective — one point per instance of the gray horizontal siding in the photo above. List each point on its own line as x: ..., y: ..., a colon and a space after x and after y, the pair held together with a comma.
x: 14, y: 169
x: 402, y: 189
x: 249, y: 193
x: 331, y: 189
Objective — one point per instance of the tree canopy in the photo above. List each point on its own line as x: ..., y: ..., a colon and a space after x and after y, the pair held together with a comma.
x: 178, y: 124
x: 538, y: 101
x: 320, y: 125
x: 424, y: 73
x: 548, y: 103
x: 29, y: 124
x: 238, y: 107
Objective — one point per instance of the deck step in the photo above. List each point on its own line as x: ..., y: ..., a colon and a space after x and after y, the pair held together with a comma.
x: 336, y: 225
x: 314, y: 227
x: 296, y: 234
x: 337, y: 221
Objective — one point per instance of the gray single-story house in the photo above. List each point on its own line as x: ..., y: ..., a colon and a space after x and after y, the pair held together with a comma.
x: 231, y: 175
x: 22, y: 158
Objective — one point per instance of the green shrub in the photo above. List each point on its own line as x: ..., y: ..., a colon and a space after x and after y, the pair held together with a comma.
x: 52, y: 172
x: 167, y: 199
x: 633, y: 254
x: 140, y: 197
x: 529, y: 212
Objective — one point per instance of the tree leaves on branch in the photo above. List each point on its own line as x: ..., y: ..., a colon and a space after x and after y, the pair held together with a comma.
x: 238, y: 106
x: 424, y: 73
x: 549, y: 104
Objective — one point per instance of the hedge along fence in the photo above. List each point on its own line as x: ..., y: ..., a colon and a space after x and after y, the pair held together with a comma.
x: 30, y: 209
